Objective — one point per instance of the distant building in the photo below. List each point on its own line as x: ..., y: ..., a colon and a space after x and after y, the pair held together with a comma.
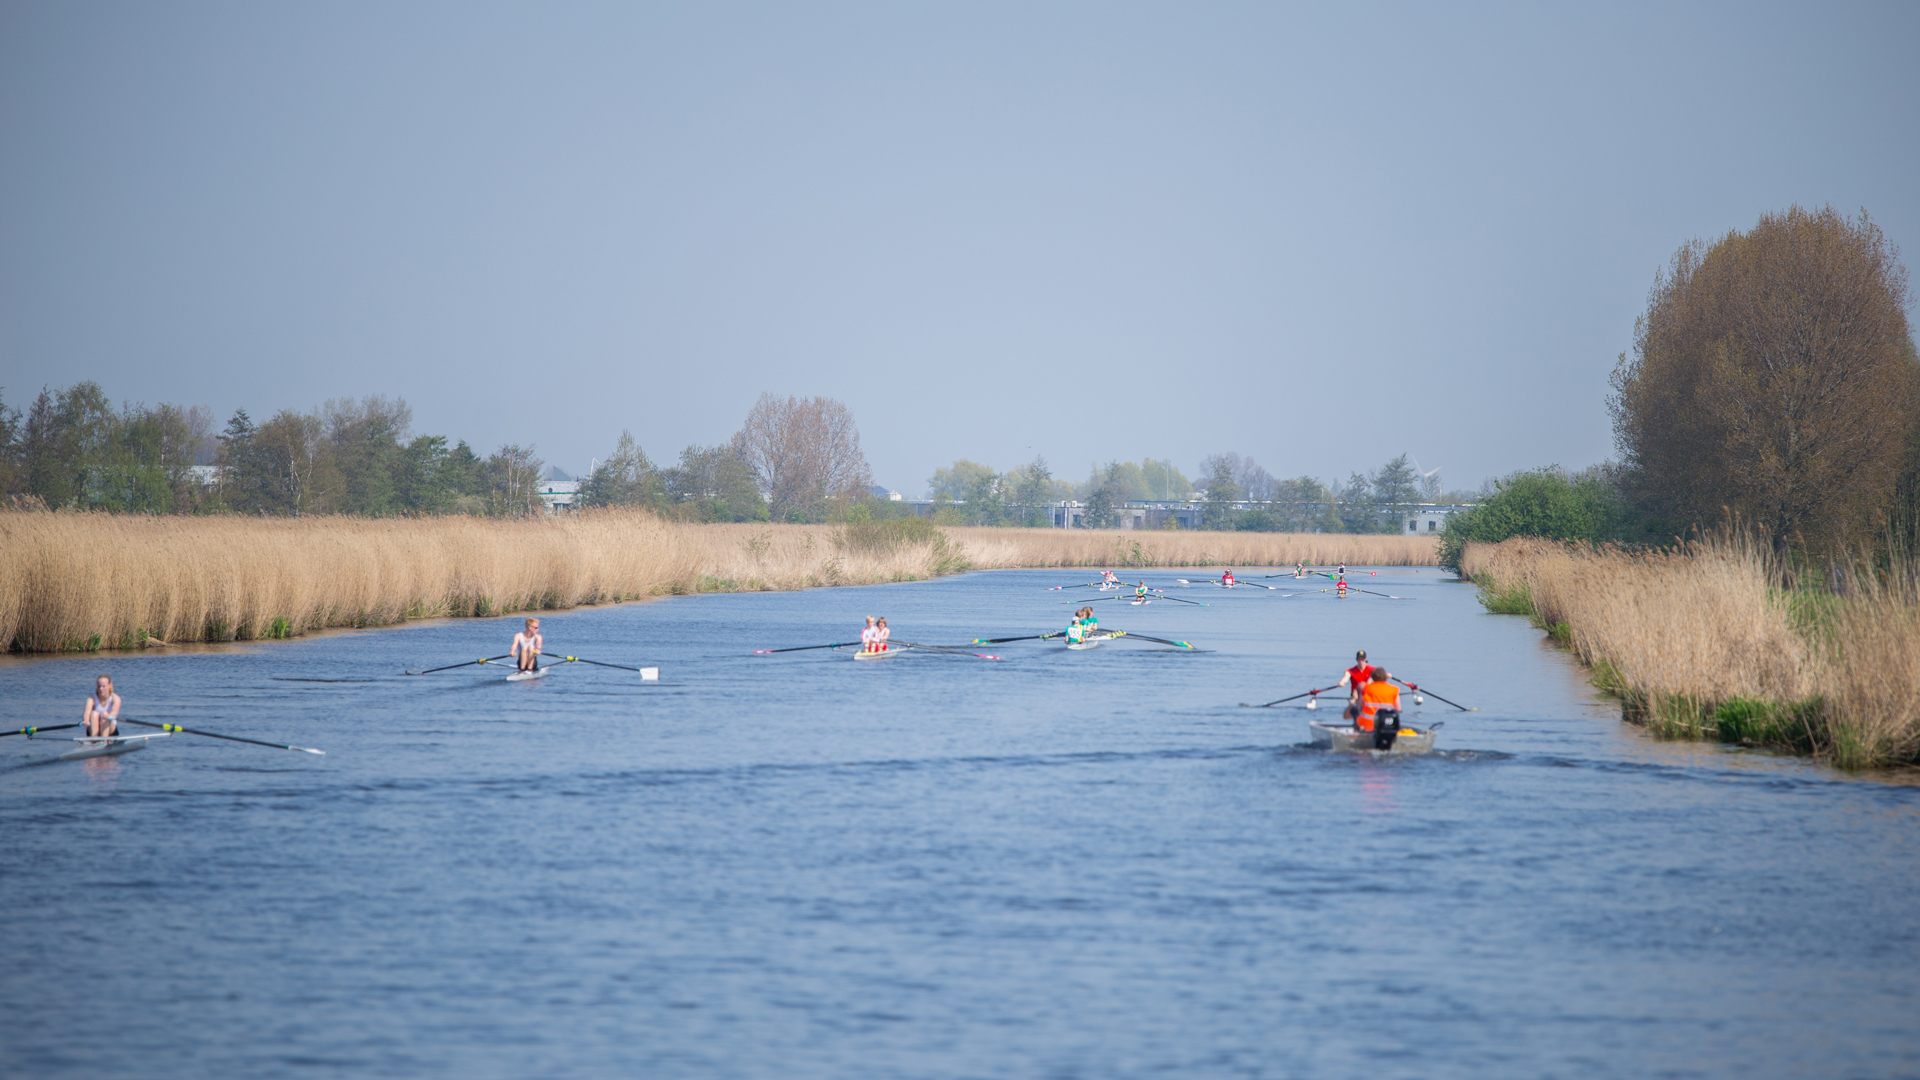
x: 206, y: 475
x: 882, y: 493
x: 559, y: 492
x: 1430, y: 517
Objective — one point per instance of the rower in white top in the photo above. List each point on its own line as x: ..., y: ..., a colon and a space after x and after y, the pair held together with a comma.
x: 101, y: 715
x: 526, y: 649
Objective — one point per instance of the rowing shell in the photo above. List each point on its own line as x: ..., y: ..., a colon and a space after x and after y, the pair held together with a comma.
x: 1348, y: 737
x: 882, y: 654
x: 110, y: 745
x: 523, y: 676
x: 1137, y: 601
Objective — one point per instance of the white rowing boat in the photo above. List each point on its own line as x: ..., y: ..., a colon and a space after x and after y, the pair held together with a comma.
x: 109, y: 745
x: 1348, y: 737
x: 881, y: 654
x: 523, y: 676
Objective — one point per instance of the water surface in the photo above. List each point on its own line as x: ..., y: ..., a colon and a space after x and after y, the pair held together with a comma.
x: 1065, y: 864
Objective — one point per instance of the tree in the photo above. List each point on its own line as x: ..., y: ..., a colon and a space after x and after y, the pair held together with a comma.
x: 1222, y: 491
x: 628, y: 478
x: 513, y: 478
x: 951, y: 483
x: 713, y: 484
x: 289, y: 448
x: 1772, y: 376
x: 10, y: 474
x: 1099, y: 512
x: 357, y: 464
x: 807, y: 455
x: 421, y: 476
x: 1545, y: 502
x: 1034, y: 489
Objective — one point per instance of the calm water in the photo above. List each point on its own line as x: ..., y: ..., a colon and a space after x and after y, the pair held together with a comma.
x: 1064, y: 865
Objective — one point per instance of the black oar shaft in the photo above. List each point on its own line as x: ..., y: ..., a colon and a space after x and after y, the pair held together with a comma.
x: 1296, y: 697
x: 36, y: 730
x: 1418, y: 689
x: 469, y: 663
x: 229, y: 738
x: 584, y: 660
x: 804, y: 648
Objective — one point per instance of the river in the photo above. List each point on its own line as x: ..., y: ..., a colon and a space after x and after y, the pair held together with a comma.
x: 1065, y: 864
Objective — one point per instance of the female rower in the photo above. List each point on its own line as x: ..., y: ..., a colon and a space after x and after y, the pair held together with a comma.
x: 880, y: 634
x: 1227, y: 578
x: 1140, y: 592
x: 100, y: 719
x: 1082, y: 624
x: 1340, y: 588
x: 527, y: 645
x: 867, y: 636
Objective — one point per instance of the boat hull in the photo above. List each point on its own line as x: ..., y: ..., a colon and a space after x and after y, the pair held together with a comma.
x: 523, y: 676
x: 883, y: 654
x: 1348, y: 737
x: 1078, y: 646
x: 111, y: 747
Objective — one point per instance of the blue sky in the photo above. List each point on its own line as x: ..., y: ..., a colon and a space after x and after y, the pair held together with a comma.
x: 1317, y: 237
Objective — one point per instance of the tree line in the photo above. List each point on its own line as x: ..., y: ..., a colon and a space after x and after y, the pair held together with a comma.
x: 1774, y: 385
x: 1235, y: 493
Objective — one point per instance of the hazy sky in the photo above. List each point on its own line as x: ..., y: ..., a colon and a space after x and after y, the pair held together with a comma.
x: 1088, y: 232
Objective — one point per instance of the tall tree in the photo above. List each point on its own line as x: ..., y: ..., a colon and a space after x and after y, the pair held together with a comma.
x: 1773, y: 376
x: 951, y: 483
x: 713, y: 483
x: 1222, y: 491
x: 10, y: 474
x: 627, y: 478
x: 807, y: 455
x: 513, y: 473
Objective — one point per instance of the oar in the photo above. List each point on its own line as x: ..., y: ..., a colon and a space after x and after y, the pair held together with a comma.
x: 945, y: 649
x: 37, y: 730
x: 1417, y: 689
x: 1143, y: 637
x: 1180, y: 600
x: 470, y: 663
x: 583, y: 660
x: 229, y: 738
x: 1083, y: 585
x: 1024, y: 637
x: 804, y: 648
x: 1284, y: 700
x: 1370, y: 592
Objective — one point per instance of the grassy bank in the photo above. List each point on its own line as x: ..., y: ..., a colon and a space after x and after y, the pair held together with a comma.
x: 79, y: 581
x: 1703, y: 644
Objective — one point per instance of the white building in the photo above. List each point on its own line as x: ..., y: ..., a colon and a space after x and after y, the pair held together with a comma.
x: 559, y: 491
x: 1430, y: 517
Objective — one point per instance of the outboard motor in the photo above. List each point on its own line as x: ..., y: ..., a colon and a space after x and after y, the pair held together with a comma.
x: 1386, y: 728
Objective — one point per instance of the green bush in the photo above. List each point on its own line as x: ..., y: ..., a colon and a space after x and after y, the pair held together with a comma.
x: 1545, y: 502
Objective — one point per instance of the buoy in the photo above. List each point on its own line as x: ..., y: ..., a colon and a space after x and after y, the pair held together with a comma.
x: 1312, y: 704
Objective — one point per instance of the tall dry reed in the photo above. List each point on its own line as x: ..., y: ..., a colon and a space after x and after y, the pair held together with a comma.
x: 96, y: 580
x: 1705, y: 642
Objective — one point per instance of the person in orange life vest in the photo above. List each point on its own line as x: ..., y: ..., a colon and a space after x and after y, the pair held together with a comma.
x: 1355, y: 680
x: 1380, y: 700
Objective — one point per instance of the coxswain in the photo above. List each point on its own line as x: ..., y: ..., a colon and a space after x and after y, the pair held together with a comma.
x: 1227, y: 578
x: 881, y: 634
x: 100, y: 718
x: 1379, y: 710
x: 527, y: 645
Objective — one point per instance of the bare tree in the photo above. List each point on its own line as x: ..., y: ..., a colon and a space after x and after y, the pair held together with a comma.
x: 1773, y: 376
x: 807, y: 454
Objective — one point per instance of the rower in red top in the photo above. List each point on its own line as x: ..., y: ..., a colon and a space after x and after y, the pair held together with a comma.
x: 1355, y: 679
x: 1227, y: 578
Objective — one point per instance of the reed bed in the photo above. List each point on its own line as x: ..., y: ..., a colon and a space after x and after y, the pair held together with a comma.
x: 80, y: 581
x: 1705, y: 642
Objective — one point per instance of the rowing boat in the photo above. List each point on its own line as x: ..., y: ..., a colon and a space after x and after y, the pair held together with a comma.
x: 109, y: 745
x: 1348, y: 737
x: 522, y: 676
x: 881, y: 654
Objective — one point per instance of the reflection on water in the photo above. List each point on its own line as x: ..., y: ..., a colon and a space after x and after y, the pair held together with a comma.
x: 1069, y: 863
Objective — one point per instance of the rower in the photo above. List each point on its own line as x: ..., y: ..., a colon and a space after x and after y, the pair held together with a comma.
x: 867, y: 636
x: 1140, y: 592
x: 1300, y: 569
x: 1108, y: 577
x: 1077, y: 629
x: 1380, y: 710
x: 1340, y: 588
x: 527, y: 645
x: 101, y: 715
x: 880, y: 634
x: 1227, y: 578
x: 1355, y: 680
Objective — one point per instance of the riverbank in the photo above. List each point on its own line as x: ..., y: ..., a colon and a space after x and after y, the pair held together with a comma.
x: 1701, y: 644
x: 85, y: 581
